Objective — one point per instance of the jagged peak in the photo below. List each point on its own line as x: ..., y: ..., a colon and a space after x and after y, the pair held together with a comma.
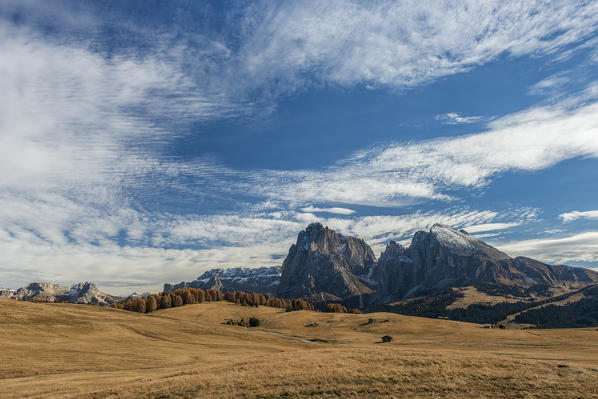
x: 392, y: 250
x: 83, y: 285
x: 319, y: 234
x: 315, y: 226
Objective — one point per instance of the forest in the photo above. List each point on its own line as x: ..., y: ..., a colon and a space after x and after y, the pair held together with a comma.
x: 189, y: 296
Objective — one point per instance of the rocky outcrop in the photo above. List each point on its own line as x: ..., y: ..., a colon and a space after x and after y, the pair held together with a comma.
x: 7, y: 292
x: 86, y: 293
x: 90, y: 294
x: 261, y: 280
x: 324, y: 264
x: 445, y: 257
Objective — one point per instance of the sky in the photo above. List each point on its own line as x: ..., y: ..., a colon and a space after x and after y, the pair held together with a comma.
x: 144, y: 142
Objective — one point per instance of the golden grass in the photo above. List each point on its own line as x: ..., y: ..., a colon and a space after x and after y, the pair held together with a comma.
x: 64, y: 350
x: 473, y: 296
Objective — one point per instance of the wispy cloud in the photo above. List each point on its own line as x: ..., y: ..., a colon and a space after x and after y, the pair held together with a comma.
x: 400, y: 174
x: 549, y: 84
x: 482, y: 228
x: 401, y: 44
x: 453, y: 118
x: 579, y: 247
x: 574, y: 215
x: 337, y: 210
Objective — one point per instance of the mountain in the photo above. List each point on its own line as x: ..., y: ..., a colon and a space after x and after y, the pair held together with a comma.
x: 324, y: 265
x: 262, y: 280
x: 445, y: 257
x: 86, y: 293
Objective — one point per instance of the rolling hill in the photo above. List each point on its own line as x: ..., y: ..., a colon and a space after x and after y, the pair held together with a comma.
x: 67, y: 350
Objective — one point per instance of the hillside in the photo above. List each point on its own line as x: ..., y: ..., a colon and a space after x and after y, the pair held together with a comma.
x: 67, y: 350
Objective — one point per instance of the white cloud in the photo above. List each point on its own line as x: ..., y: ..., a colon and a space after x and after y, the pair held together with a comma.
x: 67, y: 114
x: 401, y: 174
x: 482, y: 228
x: 551, y: 83
x: 486, y: 235
x: 574, y: 215
x: 579, y: 247
x: 453, y: 118
x: 337, y: 210
x: 401, y: 44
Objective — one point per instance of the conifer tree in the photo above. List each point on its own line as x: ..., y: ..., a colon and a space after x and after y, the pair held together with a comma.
x: 188, y: 298
x: 177, y: 301
x: 165, y: 302
x: 152, y: 305
x: 140, y: 305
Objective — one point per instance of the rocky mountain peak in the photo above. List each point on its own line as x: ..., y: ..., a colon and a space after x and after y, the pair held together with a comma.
x: 78, y: 293
x: 324, y: 261
x: 457, y: 242
x: 446, y: 257
x: 393, y: 250
x: 321, y: 240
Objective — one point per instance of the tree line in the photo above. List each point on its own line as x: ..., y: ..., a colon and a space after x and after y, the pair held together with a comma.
x: 189, y: 296
x: 583, y: 313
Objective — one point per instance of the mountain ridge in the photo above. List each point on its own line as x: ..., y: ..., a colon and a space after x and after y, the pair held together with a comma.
x: 261, y: 280
x: 84, y: 293
x: 324, y: 266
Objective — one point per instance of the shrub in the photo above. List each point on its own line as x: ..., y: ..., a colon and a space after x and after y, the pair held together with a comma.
x: 254, y: 322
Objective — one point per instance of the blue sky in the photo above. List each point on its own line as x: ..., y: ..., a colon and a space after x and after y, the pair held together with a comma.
x: 145, y: 142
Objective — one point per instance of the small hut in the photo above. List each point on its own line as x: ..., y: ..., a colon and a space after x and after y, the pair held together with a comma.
x: 387, y: 338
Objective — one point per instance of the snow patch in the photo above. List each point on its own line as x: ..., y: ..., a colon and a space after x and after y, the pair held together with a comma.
x: 452, y: 238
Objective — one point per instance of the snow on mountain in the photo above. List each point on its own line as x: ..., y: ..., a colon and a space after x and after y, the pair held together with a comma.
x: 260, y: 279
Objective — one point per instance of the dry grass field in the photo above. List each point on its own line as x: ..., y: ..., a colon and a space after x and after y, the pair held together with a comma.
x: 64, y: 350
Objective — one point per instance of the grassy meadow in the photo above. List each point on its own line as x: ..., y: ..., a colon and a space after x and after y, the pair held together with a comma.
x: 81, y: 351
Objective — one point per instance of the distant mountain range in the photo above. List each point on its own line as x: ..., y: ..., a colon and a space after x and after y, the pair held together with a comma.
x: 261, y: 280
x: 86, y: 293
x: 326, y: 266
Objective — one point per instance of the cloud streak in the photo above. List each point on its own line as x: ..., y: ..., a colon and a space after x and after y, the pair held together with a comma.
x: 400, y: 174
x: 575, y: 215
x: 453, y: 118
x: 402, y: 44
x: 581, y: 247
x: 337, y: 210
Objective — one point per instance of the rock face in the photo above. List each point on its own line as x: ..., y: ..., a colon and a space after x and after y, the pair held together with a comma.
x: 445, y: 257
x: 78, y: 293
x: 6, y: 292
x: 324, y: 264
x: 262, y: 280
x: 90, y: 294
